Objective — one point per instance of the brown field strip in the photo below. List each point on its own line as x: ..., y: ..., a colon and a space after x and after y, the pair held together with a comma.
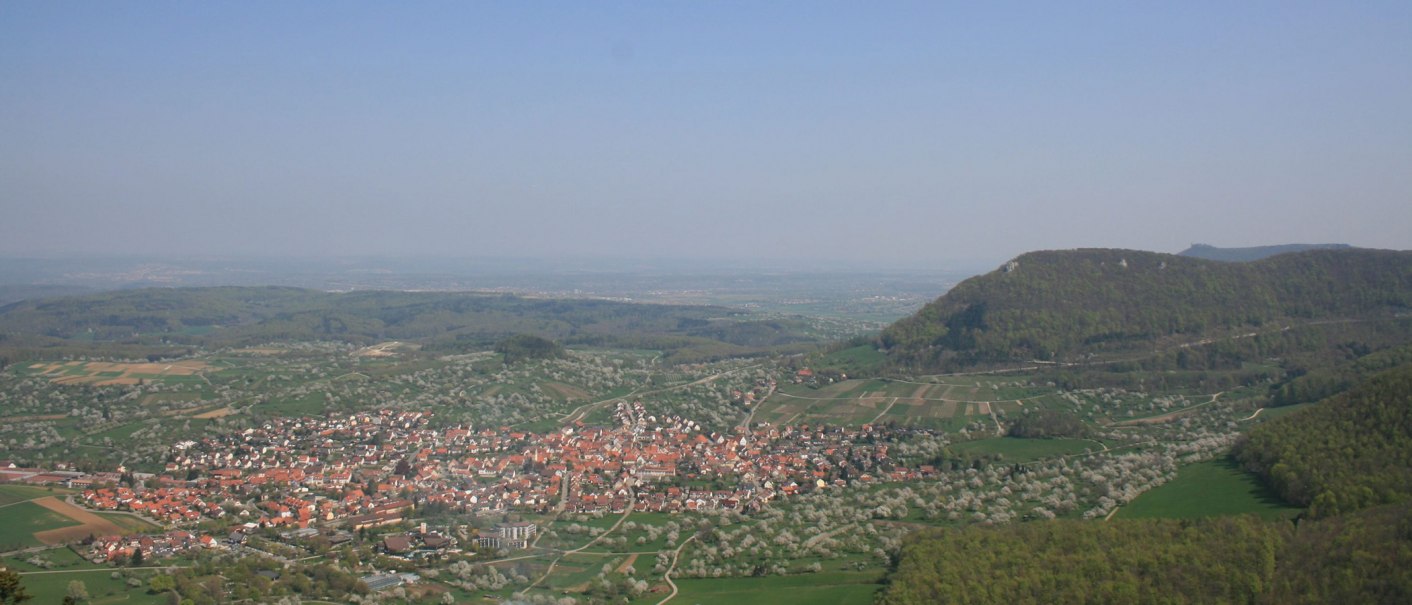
x: 91, y: 524
x: 920, y: 392
x: 221, y: 412
x: 259, y: 351
x: 626, y: 564
x: 129, y: 373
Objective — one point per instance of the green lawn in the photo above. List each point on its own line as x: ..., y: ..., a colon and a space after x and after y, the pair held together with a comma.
x: 130, y: 523
x: 102, y: 588
x: 58, y: 558
x: 1015, y: 449
x: 10, y: 494
x: 1208, y: 489
x: 25, y: 518
x: 835, y: 588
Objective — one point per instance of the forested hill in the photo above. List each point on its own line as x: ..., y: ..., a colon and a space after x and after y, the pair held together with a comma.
x: 1068, y: 305
x: 151, y: 321
x: 1351, y: 451
x: 1242, y: 255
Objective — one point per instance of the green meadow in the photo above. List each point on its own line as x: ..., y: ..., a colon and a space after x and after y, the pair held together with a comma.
x: 1208, y: 489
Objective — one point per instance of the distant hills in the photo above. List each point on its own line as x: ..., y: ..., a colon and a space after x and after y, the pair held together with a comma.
x: 161, y: 321
x: 1242, y: 255
x: 1078, y: 305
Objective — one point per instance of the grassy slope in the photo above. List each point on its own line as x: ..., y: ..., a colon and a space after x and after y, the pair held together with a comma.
x: 102, y: 588
x: 25, y: 518
x: 10, y: 494
x: 1209, y: 489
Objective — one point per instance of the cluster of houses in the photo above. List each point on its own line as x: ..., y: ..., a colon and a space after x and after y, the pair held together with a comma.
x: 156, y: 546
x: 372, y: 469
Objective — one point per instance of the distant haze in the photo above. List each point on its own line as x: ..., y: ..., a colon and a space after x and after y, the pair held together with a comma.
x: 903, y: 132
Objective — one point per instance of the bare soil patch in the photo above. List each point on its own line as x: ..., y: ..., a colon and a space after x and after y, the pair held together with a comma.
x: 626, y: 564
x: 220, y: 412
x: 91, y: 524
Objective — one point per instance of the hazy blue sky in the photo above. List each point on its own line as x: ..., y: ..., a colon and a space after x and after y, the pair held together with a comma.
x: 876, y: 131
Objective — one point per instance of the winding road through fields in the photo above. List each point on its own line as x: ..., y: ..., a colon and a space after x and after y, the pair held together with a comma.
x: 668, y: 576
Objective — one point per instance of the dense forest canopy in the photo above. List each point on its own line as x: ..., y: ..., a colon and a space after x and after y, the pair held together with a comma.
x: 1360, y: 558
x: 1247, y: 254
x: 1351, y: 451
x: 524, y: 347
x: 1077, y: 304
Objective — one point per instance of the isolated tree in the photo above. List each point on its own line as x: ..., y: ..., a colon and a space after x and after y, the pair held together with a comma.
x: 77, y: 592
x: 161, y: 583
x: 11, y: 591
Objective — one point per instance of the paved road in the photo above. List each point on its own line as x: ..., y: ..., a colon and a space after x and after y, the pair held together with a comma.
x: 745, y: 424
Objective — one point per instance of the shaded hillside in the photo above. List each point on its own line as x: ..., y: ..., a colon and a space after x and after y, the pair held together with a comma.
x: 1070, y: 305
x: 154, y: 320
x: 1244, y: 255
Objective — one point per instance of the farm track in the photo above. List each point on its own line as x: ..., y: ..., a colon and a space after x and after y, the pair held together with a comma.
x: 884, y: 411
x: 745, y: 424
x: 632, y: 501
x: 676, y: 556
